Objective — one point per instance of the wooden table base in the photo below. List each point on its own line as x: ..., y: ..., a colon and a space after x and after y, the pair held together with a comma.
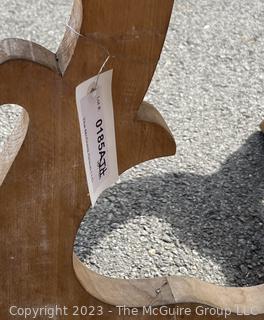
x: 44, y: 196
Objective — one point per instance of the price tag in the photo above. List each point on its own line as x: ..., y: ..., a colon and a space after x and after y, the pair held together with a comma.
x: 96, y: 118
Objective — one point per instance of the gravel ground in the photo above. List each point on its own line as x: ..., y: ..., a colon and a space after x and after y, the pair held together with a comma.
x: 201, y: 212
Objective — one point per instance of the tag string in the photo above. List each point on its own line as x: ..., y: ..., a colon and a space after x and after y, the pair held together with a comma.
x: 100, y: 45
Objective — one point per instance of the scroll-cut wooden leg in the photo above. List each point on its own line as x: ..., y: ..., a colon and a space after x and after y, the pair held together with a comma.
x: 44, y: 196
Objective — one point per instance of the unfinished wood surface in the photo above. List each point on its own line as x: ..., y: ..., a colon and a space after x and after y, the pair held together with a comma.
x: 44, y: 195
x: 174, y: 289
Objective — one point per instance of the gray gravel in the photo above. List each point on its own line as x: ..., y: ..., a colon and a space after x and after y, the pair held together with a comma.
x: 201, y: 212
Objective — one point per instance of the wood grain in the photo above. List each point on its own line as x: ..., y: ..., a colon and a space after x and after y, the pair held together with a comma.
x: 44, y: 195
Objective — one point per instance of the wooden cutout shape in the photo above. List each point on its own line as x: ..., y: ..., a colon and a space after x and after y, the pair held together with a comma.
x: 44, y: 196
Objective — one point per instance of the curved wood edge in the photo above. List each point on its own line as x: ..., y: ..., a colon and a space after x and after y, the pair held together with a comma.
x: 143, y: 291
x: 262, y: 126
x: 248, y: 299
x: 137, y: 292
x: 12, y: 144
x: 69, y: 41
x: 148, y: 113
x: 15, y: 49
x: 173, y: 289
x: 132, y: 293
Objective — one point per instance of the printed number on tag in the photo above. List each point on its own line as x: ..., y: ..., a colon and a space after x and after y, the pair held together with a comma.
x: 96, y: 117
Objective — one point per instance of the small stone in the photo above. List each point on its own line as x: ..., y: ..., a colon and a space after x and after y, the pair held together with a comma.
x: 183, y: 270
x: 243, y: 268
x: 114, y: 225
x: 166, y: 238
x: 152, y: 252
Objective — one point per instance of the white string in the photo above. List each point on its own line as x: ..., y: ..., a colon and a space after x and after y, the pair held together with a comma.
x: 100, y: 45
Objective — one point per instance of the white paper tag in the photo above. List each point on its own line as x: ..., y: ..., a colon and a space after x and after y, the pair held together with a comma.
x: 96, y: 118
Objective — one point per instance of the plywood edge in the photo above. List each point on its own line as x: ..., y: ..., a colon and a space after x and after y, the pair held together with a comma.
x: 173, y: 289
x: 16, y: 49
x: 19, y: 49
x: 69, y: 42
x: 148, y: 113
x: 249, y: 300
x: 132, y: 293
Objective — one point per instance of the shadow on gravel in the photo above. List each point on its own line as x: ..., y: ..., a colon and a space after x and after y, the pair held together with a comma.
x: 220, y: 215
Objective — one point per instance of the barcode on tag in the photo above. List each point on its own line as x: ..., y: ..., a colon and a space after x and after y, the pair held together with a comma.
x: 96, y: 118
